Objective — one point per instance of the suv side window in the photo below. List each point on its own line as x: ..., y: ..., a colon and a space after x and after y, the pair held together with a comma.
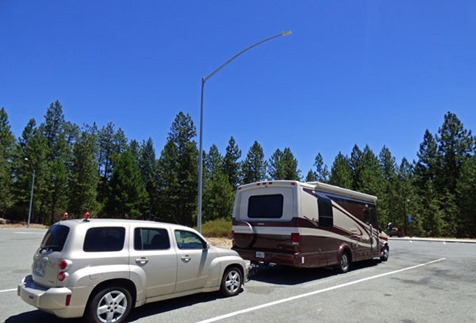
x: 189, y: 240
x: 104, y: 239
x: 151, y: 239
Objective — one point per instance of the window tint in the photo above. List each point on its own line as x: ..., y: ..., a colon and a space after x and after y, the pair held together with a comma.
x: 265, y: 206
x: 151, y: 239
x: 189, y: 240
x: 324, y: 205
x: 104, y: 239
x: 55, y: 238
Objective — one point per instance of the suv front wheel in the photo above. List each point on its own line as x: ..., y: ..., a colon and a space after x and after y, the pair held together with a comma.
x: 111, y: 304
x: 231, y: 282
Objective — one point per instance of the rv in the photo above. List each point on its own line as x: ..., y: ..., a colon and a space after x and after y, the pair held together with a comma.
x: 306, y: 225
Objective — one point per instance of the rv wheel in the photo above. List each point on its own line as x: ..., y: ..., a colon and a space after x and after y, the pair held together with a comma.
x: 343, y: 263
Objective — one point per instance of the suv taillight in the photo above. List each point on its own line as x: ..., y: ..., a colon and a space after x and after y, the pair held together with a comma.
x: 63, y: 266
x: 62, y: 276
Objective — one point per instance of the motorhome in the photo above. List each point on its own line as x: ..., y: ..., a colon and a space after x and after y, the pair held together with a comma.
x: 306, y: 225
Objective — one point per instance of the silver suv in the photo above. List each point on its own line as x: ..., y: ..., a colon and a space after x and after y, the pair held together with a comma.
x: 102, y: 268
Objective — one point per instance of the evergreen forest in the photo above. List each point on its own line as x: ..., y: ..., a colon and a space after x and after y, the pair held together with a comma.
x: 99, y: 170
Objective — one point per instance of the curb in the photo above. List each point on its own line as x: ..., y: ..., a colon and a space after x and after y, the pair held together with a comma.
x: 444, y: 240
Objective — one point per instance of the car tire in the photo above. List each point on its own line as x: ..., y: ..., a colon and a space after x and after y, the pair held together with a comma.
x: 343, y: 263
x: 385, y: 254
x: 231, y: 282
x: 111, y: 304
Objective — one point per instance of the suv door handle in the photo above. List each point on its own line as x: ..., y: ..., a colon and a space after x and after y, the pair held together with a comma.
x: 186, y: 258
x: 142, y: 261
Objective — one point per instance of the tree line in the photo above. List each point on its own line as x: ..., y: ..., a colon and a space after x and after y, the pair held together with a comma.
x: 97, y: 169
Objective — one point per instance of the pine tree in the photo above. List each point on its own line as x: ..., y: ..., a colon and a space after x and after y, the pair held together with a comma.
x: 111, y: 145
x: 84, y: 176
x: 218, y: 194
x: 283, y: 165
x: 148, y: 167
x: 426, y: 166
x: 311, y: 176
x: 387, y: 201
x: 231, y: 164
x: 58, y: 138
x: 405, y: 201
x: 127, y: 195
x: 178, y: 172
x: 254, y: 166
x: 432, y: 214
x: 7, y: 141
x: 321, y: 172
x: 368, y: 175
x: 33, y: 146
x: 276, y: 165
x: 341, y: 172
x: 466, y: 191
x: 455, y: 145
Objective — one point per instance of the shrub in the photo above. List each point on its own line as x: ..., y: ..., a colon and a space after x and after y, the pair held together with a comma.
x: 217, y: 228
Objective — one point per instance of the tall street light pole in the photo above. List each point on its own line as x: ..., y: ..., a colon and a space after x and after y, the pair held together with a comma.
x: 200, y: 152
x: 31, y: 194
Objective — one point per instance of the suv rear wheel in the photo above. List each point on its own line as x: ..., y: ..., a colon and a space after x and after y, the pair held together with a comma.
x: 111, y: 304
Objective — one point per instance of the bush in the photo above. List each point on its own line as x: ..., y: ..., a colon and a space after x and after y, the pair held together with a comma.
x: 217, y: 228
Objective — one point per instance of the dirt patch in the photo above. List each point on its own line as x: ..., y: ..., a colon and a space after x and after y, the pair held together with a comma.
x: 22, y: 226
x: 220, y: 242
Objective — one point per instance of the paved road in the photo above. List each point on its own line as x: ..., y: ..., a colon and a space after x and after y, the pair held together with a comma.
x: 422, y: 282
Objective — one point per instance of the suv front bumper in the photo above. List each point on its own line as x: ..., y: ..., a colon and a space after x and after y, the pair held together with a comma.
x: 51, y: 300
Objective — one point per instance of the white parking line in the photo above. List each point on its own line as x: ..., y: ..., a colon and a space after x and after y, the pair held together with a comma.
x: 8, y: 290
x: 221, y: 317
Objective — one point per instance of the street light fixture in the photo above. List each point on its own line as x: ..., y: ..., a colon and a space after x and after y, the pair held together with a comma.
x: 31, y: 194
x: 200, y: 152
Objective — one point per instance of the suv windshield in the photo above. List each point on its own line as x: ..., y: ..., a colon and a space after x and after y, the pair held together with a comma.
x: 54, y: 238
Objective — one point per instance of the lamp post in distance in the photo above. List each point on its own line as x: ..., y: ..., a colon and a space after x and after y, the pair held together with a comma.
x: 31, y: 194
x: 200, y: 150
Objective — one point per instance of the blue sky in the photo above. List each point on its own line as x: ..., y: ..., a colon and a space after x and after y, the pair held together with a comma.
x: 353, y: 72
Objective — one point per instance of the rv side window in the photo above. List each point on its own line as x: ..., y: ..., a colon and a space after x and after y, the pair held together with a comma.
x: 265, y: 206
x: 324, y: 206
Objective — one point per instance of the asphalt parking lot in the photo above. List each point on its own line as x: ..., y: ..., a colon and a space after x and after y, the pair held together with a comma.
x: 423, y: 281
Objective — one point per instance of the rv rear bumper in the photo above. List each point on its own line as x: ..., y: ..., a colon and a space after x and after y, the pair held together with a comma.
x: 296, y: 259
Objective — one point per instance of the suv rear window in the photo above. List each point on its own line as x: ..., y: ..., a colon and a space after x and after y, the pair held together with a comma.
x: 55, y: 238
x: 104, y: 239
x: 265, y: 206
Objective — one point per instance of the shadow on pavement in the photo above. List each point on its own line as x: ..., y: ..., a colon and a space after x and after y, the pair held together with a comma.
x: 282, y: 275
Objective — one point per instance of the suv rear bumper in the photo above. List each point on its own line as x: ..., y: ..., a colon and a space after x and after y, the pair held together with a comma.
x: 51, y: 300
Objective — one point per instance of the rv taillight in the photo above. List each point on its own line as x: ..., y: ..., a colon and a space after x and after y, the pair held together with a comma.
x: 295, y: 238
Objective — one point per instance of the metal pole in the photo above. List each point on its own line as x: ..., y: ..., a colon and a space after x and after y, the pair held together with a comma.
x: 31, y: 198
x: 31, y: 194
x: 200, y: 164
x: 200, y: 151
